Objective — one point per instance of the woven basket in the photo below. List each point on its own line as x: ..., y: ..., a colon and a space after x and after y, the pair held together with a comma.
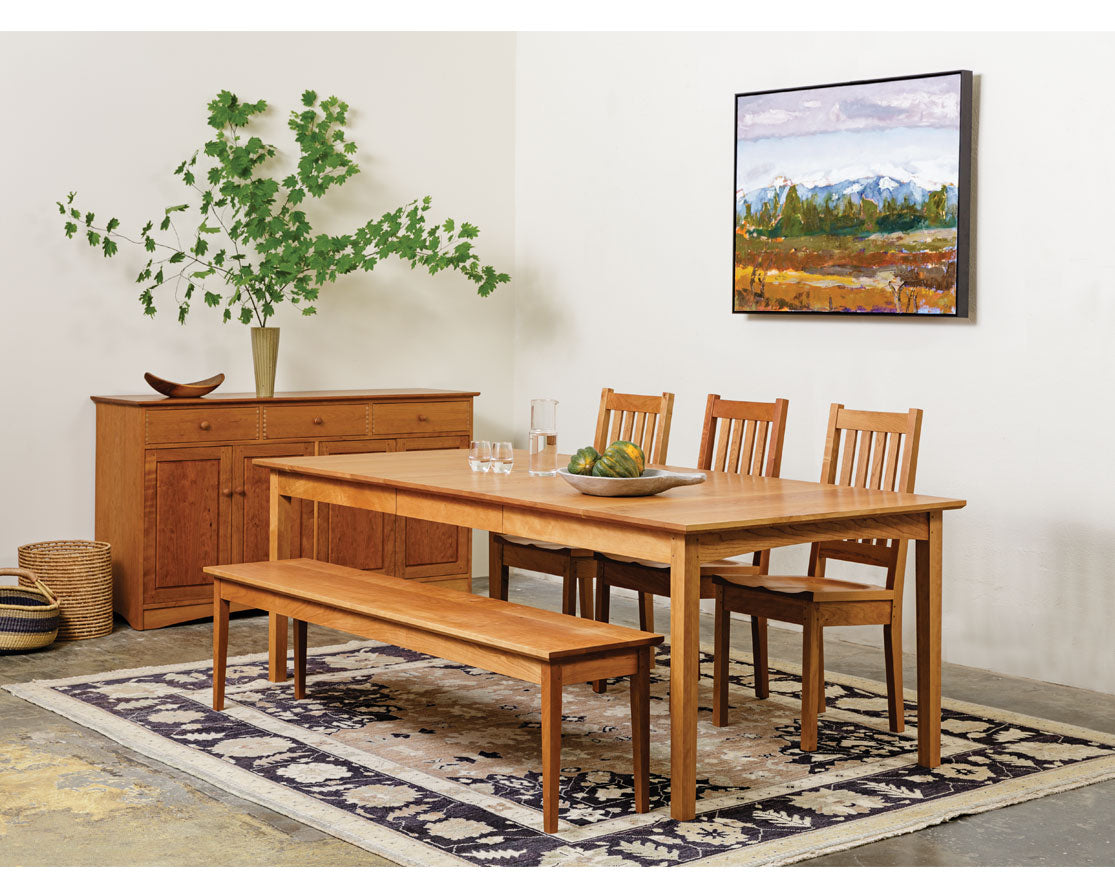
x: 80, y: 573
x: 28, y: 616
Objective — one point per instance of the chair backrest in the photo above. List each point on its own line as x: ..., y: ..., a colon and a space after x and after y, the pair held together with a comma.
x: 743, y: 436
x: 641, y: 419
x: 869, y: 449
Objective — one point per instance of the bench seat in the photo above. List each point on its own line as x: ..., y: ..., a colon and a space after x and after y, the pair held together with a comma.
x: 522, y: 642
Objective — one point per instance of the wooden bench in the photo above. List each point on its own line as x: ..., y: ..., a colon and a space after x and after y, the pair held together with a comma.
x: 526, y: 643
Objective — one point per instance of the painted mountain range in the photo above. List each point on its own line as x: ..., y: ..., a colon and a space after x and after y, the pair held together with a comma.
x: 877, y: 189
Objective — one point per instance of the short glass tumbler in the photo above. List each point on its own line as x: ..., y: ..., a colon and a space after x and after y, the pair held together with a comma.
x: 480, y: 456
x: 503, y: 457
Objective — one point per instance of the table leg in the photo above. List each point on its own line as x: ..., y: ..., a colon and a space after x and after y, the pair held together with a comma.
x: 929, y: 644
x: 282, y: 514
x: 220, y: 646
x: 685, y: 593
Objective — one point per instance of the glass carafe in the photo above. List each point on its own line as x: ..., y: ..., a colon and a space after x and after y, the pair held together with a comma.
x: 543, y: 437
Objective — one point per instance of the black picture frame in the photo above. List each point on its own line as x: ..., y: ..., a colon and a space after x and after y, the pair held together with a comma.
x: 907, y: 301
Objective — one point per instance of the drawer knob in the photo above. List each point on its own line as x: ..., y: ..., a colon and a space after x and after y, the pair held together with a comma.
x: 422, y: 418
x: 204, y: 424
x: 227, y: 492
x: 318, y: 421
x: 241, y: 492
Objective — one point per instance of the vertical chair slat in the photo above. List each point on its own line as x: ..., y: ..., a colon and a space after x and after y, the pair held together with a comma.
x: 760, y: 449
x: 849, y: 456
x: 748, y: 447
x: 722, y: 446
x: 737, y: 441
x: 865, y: 443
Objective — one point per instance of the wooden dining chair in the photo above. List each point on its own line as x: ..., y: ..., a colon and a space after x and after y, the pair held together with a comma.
x: 865, y: 449
x: 641, y: 419
x: 743, y: 437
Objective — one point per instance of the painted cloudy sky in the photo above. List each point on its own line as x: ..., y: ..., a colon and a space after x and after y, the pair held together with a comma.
x: 908, y: 130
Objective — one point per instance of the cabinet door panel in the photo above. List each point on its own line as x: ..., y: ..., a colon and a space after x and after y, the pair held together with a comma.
x: 426, y: 548
x: 188, y: 510
x: 251, y: 487
x: 348, y: 536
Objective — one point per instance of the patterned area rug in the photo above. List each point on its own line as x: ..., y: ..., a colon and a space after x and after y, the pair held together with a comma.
x: 430, y: 763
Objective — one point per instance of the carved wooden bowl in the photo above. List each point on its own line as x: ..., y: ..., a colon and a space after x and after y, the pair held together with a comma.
x: 183, y: 390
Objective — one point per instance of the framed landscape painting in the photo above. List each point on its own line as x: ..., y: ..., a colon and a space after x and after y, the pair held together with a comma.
x: 854, y: 198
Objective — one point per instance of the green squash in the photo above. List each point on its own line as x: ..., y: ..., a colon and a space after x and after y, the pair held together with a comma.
x: 616, y: 464
x: 582, y: 462
x: 633, y: 451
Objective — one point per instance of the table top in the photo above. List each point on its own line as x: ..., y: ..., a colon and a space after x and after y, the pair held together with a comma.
x: 723, y: 501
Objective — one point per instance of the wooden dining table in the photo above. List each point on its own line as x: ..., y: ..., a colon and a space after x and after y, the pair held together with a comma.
x: 724, y: 516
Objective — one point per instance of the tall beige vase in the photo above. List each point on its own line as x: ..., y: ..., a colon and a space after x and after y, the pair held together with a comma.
x: 265, y: 354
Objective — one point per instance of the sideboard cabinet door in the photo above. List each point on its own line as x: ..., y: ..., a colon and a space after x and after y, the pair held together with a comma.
x: 251, y: 504
x: 188, y: 517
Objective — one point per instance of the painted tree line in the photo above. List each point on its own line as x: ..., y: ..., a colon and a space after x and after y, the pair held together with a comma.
x: 813, y: 215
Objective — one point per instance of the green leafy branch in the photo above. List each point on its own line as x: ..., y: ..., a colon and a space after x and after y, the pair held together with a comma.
x: 252, y: 245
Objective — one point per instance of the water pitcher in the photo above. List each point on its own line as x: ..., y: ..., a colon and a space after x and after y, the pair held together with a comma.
x: 543, y: 437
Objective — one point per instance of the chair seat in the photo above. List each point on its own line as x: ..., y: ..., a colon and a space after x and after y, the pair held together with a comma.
x: 544, y: 545
x: 712, y: 568
x: 811, y: 588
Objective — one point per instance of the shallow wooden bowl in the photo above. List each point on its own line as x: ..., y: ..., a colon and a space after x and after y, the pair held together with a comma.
x: 183, y: 390
x: 650, y: 483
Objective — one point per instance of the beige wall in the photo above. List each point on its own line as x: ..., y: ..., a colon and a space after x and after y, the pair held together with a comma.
x: 111, y: 115
x: 624, y: 201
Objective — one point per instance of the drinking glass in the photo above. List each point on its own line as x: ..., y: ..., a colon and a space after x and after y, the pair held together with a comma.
x: 503, y: 457
x: 543, y: 437
x: 480, y: 456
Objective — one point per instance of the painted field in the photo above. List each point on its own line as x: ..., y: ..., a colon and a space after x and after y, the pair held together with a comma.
x: 906, y: 272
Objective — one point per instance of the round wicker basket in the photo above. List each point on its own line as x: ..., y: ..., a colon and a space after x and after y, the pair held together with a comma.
x: 28, y: 616
x: 80, y: 574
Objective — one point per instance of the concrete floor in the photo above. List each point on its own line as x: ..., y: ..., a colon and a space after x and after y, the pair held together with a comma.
x: 70, y: 797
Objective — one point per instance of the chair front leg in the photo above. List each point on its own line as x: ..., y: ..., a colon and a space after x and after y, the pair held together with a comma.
x: 721, y: 644
x: 759, y: 656
x: 820, y: 669
x: 892, y: 651
x: 810, y: 659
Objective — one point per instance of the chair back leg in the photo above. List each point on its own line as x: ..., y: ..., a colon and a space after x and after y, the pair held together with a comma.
x: 721, y: 647
x: 759, y: 656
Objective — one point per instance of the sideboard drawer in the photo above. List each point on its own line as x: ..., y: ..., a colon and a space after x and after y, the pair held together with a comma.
x: 422, y: 416
x: 213, y: 424
x: 310, y: 421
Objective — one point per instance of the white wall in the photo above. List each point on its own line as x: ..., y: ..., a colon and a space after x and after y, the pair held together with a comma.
x: 624, y: 148
x: 111, y: 115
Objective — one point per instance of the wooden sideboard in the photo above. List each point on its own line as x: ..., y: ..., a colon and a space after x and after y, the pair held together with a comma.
x: 177, y: 489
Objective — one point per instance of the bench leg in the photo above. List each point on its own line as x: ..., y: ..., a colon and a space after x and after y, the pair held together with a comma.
x: 551, y: 746
x: 299, y: 659
x: 220, y: 646
x: 640, y: 730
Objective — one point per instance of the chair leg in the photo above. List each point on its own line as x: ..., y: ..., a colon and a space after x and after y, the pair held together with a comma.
x: 603, y: 609
x: 585, y: 589
x: 721, y: 640
x: 551, y: 746
x: 497, y: 572
x: 299, y: 659
x: 809, y: 661
x: 568, y: 591
x: 892, y: 651
x: 646, y: 611
x: 820, y: 669
x: 640, y: 730
x: 759, y: 656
